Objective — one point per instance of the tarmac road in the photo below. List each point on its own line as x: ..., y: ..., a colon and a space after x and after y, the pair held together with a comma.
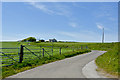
x: 67, y: 68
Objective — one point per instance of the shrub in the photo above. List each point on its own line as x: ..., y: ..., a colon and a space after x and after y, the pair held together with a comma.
x: 29, y: 39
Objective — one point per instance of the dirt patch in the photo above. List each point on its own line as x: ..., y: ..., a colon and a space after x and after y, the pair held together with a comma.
x: 105, y: 74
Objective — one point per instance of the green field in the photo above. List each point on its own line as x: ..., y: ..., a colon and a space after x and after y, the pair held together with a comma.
x: 49, y: 50
x: 107, y: 61
x: 30, y: 60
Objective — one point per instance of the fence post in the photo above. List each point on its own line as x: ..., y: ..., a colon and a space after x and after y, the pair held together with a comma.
x: 21, y: 54
x: 40, y: 50
x: 52, y: 50
x: 60, y: 51
x: 73, y: 50
x: 43, y: 52
x: 81, y: 47
x: 86, y: 47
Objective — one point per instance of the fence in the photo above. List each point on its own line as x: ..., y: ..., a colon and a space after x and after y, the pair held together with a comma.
x: 8, y: 56
x: 24, y: 53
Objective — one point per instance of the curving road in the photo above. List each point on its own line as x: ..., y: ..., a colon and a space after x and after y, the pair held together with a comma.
x: 67, y: 68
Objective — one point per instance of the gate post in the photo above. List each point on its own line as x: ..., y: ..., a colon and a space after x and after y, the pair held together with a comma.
x: 21, y: 54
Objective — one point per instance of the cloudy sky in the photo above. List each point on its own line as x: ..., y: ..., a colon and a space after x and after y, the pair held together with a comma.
x: 73, y: 21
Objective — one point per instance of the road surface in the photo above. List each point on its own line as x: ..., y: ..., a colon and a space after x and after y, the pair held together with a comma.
x: 67, y: 68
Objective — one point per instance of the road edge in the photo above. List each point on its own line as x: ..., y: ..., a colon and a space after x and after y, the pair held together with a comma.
x: 89, y: 70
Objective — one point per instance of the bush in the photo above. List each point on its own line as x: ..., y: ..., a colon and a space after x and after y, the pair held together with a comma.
x: 29, y: 39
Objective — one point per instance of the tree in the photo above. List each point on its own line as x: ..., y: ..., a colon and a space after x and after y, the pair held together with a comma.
x: 29, y: 39
x: 41, y: 40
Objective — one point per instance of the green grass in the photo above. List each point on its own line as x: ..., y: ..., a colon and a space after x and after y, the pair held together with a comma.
x: 12, y: 44
x: 29, y: 56
x: 18, y: 67
x: 108, y: 61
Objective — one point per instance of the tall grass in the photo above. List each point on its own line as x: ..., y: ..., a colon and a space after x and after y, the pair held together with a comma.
x: 109, y: 61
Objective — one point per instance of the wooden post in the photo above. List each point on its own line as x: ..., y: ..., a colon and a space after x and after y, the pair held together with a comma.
x: 73, y: 49
x: 60, y: 51
x: 21, y: 54
x: 52, y: 50
x: 43, y: 52
x: 40, y: 50
x: 86, y: 47
x: 81, y: 47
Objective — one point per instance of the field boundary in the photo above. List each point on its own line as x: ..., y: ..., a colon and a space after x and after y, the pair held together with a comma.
x: 31, y: 52
x: 14, y: 69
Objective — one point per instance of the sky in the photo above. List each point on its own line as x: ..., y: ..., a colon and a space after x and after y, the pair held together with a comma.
x: 66, y: 21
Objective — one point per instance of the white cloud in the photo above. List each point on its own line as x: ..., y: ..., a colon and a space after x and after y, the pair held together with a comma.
x: 41, y: 7
x: 81, y: 36
x: 73, y: 24
x: 88, y: 36
x: 53, y: 8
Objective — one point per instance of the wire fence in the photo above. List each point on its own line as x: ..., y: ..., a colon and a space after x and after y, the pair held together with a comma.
x: 10, y: 56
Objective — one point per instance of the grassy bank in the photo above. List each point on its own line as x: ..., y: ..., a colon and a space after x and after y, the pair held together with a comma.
x: 109, y: 61
x: 19, y: 67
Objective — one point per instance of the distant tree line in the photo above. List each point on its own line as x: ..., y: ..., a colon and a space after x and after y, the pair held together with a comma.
x: 33, y: 39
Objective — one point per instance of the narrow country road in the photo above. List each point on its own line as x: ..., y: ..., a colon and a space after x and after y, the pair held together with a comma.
x: 67, y: 68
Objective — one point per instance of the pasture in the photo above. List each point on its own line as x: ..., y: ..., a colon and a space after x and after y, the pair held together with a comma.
x: 11, y: 51
x: 107, y: 61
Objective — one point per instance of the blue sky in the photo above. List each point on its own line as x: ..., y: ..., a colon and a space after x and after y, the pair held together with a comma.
x: 73, y: 21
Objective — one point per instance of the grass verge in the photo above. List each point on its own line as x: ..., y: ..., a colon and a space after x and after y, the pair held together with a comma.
x: 109, y: 61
